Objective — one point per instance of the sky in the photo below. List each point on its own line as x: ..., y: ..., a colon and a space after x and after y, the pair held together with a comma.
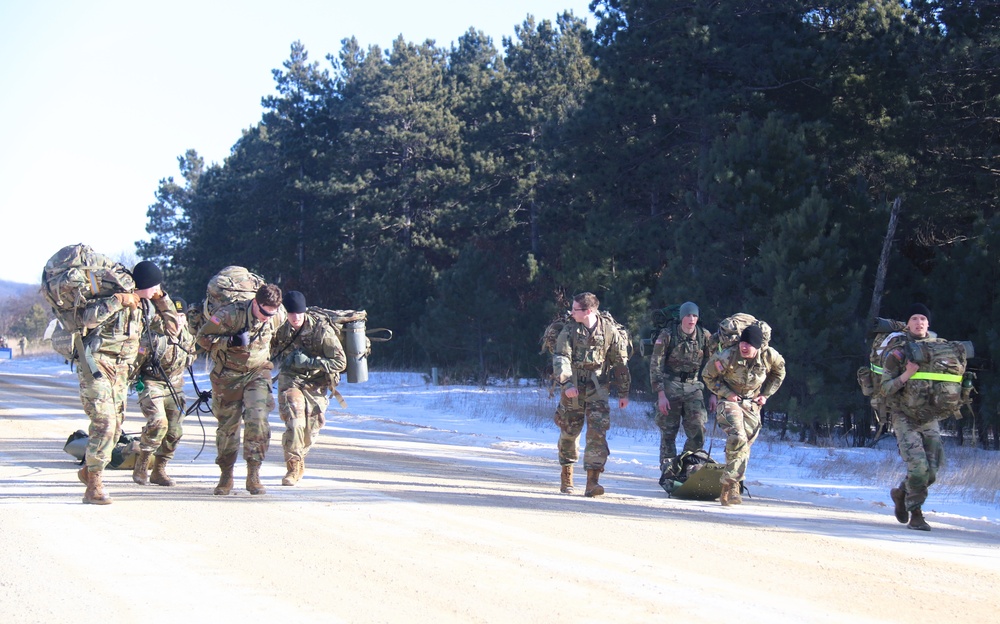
x: 101, y: 97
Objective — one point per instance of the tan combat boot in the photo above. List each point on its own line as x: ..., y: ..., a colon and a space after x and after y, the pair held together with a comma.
x: 593, y: 487
x: 140, y: 471
x: 724, y: 493
x: 95, y: 490
x: 159, y: 474
x: 898, y: 496
x: 917, y: 522
x: 294, y: 473
x: 226, y: 463
x: 566, y: 479
x: 254, y: 486
x: 734, y: 494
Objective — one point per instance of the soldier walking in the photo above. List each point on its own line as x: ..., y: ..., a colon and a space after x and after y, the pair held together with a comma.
x: 743, y: 376
x: 237, y: 338
x: 679, y: 353
x: 590, y: 355
x: 313, y: 359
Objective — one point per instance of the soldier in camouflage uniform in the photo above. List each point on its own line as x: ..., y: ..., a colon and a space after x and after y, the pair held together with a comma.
x: 679, y: 353
x: 115, y: 324
x: 163, y: 360
x: 743, y: 376
x: 919, y: 442
x: 588, y: 352
x: 237, y: 337
x: 312, y: 360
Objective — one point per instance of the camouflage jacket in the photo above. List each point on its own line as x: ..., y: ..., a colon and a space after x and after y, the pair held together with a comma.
x: 677, y: 355
x: 727, y: 373
x: 171, y: 354
x: 316, y: 339
x: 581, y: 353
x: 114, y: 329
x: 230, y: 320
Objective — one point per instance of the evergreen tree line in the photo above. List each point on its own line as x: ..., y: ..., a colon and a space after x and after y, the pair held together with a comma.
x: 742, y: 154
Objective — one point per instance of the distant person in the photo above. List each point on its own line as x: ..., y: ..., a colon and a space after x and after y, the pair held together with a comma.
x: 584, y: 345
x: 23, y: 343
x: 679, y: 354
x: 743, y: 376
x: 311, y: 360
x: 918, y: 437
x: 163, y: 361
x: 237, y: 338
x: 3, y: 342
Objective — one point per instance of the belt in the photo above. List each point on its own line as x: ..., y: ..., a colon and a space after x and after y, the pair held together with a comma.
x: 683, y: 377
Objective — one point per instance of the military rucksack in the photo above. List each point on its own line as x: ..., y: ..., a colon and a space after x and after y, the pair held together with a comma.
x: 233, y: 284
x: 693, y: 475
x: 77, y: 274
x: 553, y: 329
x: 888, y: 334
x: 934, y: 392
x: 660, y: 318
x: 731, y: 327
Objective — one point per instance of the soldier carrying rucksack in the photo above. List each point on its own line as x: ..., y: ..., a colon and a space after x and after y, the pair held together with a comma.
x: 680, y: 350
x: 922, y: 383
x: 590, y: 356
x: 105, y: 307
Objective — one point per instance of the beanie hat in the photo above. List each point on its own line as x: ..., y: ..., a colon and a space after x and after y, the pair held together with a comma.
x: 180, y: 305
x: 688, y: 307
x: 146, y: 275
x: 919, y: 308
x: 294, y: 302
x: 752, y: 335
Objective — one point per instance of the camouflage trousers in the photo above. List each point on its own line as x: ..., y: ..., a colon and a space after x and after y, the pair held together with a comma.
x: 687, y: 406
x: 103, y: 401
x: 741, y: 422
x: 590, y: 407
x: 302, y: 407
x: 164, y: 417
x: 246, y: 397
x: 921, y: 450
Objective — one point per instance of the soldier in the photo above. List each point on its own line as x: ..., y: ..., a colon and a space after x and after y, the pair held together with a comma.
x: 679, y: 353
x: 919, y: 442
x: 237, y: 338
x: 115, y: 323
x: 163, y: 360
x: 589, y: 351
x: 743, y: 376
x: 313, y: 361
x: 23, y: 343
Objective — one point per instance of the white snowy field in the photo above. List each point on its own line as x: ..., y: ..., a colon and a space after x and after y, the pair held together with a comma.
x: 424, y: 503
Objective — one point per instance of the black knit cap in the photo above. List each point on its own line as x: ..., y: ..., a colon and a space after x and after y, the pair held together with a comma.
x: 180, y: 305
x: 294, y: 302
x: 752, y: 335
x: 919, y: 308
x: 146, y: 275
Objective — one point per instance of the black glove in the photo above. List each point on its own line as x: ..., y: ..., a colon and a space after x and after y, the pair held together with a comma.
x: 241, y: 339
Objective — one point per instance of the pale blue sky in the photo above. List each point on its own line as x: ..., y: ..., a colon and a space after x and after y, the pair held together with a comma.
x: 100, y: 97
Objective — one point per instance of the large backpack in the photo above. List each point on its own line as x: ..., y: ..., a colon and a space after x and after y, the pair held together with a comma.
x: 77, y: 274
x: 693, y: 475
x: 731, y: 327
x: 661, y: 318
x: 233, y: 284
x: 888, y: 334
x: 934, y: 392
x: 551, y: 334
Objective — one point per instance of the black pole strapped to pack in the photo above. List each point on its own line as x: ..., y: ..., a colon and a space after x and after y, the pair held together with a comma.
x: 204, y: 399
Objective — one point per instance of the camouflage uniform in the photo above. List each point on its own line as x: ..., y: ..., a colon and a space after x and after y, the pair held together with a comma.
x: 113, y: 342
x: 919, y: 441
x: 241, y: 378
x: 727, y: 373
x: 163, y: 360
x: 674, y: 370
x: 583, y: 357
x: 313, y: 359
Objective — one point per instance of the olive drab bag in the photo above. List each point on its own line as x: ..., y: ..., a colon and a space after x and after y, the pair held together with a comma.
x: 731, y: 327
x: 77, y: 274
x: 934, y: 392
x: 233, y: 284
x: 693, y: 475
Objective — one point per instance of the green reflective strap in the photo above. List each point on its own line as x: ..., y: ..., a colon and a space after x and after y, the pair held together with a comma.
x: 878, y: 370
x: 938, y: 377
